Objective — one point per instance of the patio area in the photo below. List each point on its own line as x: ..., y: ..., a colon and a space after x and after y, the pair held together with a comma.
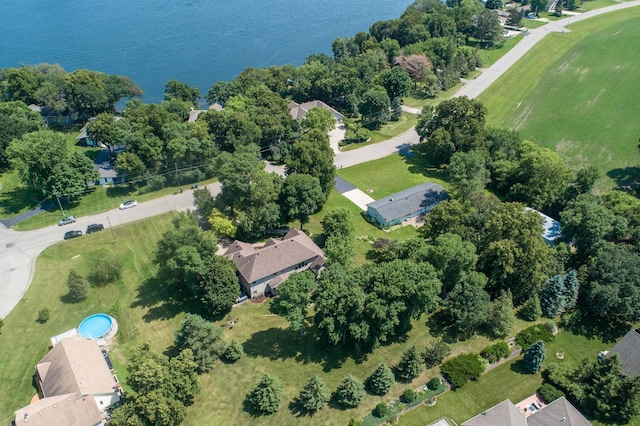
x: 530, y: 405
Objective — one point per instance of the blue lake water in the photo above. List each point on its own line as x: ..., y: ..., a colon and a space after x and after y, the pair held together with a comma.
x: 198, y: 42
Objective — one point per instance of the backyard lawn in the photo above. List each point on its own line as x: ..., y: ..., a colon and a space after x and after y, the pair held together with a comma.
x: 387, y: 131
x: 591, y: 117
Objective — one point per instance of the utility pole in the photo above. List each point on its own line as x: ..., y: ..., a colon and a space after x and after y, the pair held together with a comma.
x: 111, y: 229
x: 59, y: 204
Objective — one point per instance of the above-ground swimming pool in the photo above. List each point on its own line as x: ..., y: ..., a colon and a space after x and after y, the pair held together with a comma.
x: 98, y: 326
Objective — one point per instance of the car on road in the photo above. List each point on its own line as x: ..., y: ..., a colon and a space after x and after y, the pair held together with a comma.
x: 72, y: 234
x: 128, y: 204
x: 67, y: 220
x: 94, y: 227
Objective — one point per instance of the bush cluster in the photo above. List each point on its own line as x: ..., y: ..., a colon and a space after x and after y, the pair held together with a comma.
x: 381, y: 410
x: 530, y: 335
x: 549, y: 393
x: 408, y: 396
x: 496, y: 352
x: 434, y: 383
x: 461, y: 369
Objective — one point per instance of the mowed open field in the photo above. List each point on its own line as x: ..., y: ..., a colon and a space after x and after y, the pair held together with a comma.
x: 579, y: 93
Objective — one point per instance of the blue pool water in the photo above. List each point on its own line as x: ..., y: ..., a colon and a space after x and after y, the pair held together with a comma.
x: 95, y: 326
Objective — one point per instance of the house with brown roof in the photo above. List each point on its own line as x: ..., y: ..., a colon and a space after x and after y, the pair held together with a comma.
x: 628, y: 349
x: 75, y: 385
x: 298, y: 111
x: 560, y: 412
x: 261, y: 271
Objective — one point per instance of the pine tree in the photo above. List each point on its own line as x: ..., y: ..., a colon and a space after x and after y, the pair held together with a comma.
x: 77, y: 286
x: 203, y: 338
x: 314, y: 394
x: 410, y: 365
x: 435, y: 353
x: 501, y: 317
x: 381, y: 380
x: 233, y: 351
x: 531, y: 310
x: 266, y: 397
x: 571, y: 288
x: 534, y: 357
x: 552, y: 300
x: 350, y: 391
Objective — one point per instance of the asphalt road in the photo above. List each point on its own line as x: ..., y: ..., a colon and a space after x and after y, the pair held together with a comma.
x: 19, y: 250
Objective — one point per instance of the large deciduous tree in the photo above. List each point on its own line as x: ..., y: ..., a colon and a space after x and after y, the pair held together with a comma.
x: 374, y: 106
x: 301, y: 196
x: 16, y: 119
x: 468, y: 173
x: 397, y: 82
x: 468, y: 304
x: 294, y: 298
x: 312, y: 155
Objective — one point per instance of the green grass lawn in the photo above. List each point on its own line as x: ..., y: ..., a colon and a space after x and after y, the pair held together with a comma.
x: 532, y: 23
x: 422, y: 102
x: 588, y: 5
x: 582, y: 98
x: 392, y: 174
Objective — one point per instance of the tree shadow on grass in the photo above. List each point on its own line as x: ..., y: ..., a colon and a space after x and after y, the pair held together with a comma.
x: 165, y: 300
x: 278, y: 344
x: 627, y: 178
x: 439, y: 327
x: 584, y: 325
x: 248, y: 408
x: 518, y: 367
x: 297, y: 409
x: 420, y: 162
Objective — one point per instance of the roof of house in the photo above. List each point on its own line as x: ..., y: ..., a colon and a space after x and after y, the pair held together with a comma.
x: 552, y: 228
x: 298, y: 111
x: 560, y: 412
x: 503, y: 414
x: 628, y: 349
x: 408, y: 201
x: 62, y: 410
x: 296, y: 247
x: 75, y: 366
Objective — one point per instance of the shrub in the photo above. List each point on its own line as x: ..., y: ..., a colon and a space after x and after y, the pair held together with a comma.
x: 381, y: 410
x: 154, y: 183
x: 434, y: 383
x: 106, y: 270
x: 532, y: 334
x: 496, y: 352
x: 549, y: 393
x: 461, y: 369
x: 408, y: 396
x: 43, y: 315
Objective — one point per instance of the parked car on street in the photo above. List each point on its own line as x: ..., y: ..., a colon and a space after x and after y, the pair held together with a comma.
x: 128, y: 204
x: 67, y: 220
x: 72, y: 234
x: 94, y: 227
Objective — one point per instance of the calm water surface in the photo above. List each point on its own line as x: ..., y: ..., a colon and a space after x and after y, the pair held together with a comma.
x: 198, y: 42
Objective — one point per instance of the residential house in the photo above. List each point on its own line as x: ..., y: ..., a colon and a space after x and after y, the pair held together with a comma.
x: 261, y: 271
x: 84, y: 138
x: 406, y: 204
x: 195, y: 113
x: 298, y: 111
x: 552, y: 228
x: 75, y: 385
x: 628, y: 349
x: 560, y: 412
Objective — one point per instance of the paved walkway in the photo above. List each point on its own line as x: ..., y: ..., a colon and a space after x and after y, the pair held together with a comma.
x: 411, y: 110
x: 353, y: 194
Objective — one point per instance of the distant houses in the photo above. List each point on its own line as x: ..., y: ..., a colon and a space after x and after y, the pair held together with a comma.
x: 298, y: 111
x: 407, y: 204
x: 261, y: 271
x: 76, y: 387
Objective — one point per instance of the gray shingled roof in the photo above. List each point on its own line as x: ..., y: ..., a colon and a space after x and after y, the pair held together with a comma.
x: 62, y: 410
x: 628, y: 349
x: 560, y: 412
x: 408, y: 201
x: 503, y: 414
x: 298, y: 111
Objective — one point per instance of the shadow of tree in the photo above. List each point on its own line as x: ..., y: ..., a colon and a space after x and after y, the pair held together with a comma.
x: 439, y: 327
x: 587, y: 326
x: 297, y: 409
x: 626, y: 177
x: 164, y: 300
x: 518, y: 367
x: 420, y: 162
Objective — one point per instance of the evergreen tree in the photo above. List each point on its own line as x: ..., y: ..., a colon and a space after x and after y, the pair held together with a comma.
x: 501, y: 317
x: 203, y: 338
x: 534, y: 357
x: 233, y: 351
x: 396, y: 109
x: 435, y: 353
x: 350, y: 392
x: 381, y: 380
x: 266, y: 397
x: 468, y: 304
x: 314, y: 394
x: 570, y: 291
x: 531, y: 310
x: 552, y: 300
x: 410, y: 365
x: 77, y: 286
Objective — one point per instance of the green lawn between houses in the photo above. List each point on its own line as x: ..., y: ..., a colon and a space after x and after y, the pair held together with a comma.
x: 578, y: 93
x: 147, y: 311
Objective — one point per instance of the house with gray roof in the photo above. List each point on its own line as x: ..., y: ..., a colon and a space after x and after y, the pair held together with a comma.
x: 298, y: 111
x: 261, y: 271
x: 406, y: 204
x: 628, y: 349
x: 552, y: 229
x: 75, y: 386
x: 560, y: 412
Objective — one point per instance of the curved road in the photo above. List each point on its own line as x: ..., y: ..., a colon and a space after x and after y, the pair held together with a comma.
x: 19, y: 250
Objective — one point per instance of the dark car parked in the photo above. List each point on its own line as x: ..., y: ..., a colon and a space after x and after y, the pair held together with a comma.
x: 94, y: 227
x: 72, y: 234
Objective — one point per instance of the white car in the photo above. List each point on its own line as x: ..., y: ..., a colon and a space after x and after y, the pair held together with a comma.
x: 128, y: 204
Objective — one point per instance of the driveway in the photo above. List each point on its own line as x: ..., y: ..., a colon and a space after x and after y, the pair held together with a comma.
x: 19, y: 250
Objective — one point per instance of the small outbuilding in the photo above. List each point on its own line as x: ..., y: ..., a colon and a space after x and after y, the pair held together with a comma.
x: 552, y: 228
x: 406, y: 204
